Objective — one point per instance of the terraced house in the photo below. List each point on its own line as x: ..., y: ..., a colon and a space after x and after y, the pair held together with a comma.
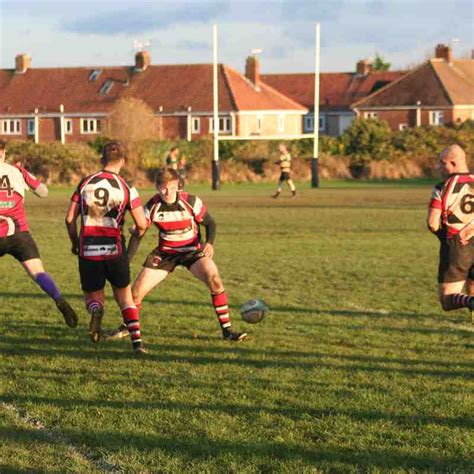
x: 73, y: 104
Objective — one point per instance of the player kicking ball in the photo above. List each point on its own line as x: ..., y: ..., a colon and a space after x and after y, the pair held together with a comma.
x: 178, y: 215
x: 101, y: 200
x: 15, y: 237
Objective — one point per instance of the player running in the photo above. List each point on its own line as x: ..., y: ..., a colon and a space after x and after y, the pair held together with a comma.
x: 451, y: 209
x: 285, y: 168
x: 15, y: 237
x: 177, y: 216
x: 101, y: 200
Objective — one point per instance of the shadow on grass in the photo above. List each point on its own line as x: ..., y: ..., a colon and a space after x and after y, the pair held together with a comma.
x: 189, y: 449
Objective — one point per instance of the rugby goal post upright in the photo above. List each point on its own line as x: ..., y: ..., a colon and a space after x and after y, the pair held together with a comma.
x: 315, y: 159
x: 215, y: 160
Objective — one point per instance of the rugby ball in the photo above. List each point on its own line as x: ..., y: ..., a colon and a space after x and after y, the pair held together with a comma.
x: 253, y: 311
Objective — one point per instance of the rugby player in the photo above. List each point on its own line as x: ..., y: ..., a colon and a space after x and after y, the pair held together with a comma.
x: 101, y: 200
x: 178, y: 216
x: 285, y: 171
x: 15, y: 237
x: 172, y: 160
x: 451, y: 210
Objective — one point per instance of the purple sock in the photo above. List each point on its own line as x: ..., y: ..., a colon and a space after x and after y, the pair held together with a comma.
x: 46, y: 283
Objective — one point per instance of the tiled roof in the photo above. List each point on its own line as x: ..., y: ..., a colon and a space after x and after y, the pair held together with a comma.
x: 172, y: 87
x: 337, y: 91
x: 434, y: 83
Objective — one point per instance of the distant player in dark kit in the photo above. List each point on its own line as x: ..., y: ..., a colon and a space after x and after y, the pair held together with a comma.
x: 451, y: 210
x: 101, y: 200
x: 177, y: 217
x: 285, y: 171
x: 15, y: 237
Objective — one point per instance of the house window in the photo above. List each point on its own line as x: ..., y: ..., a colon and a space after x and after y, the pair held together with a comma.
x: 259, y: 123
x: 436, y: 117
x: 68, y: 126
x: 281, y: 123
x: 11, y: 127
x: 30, y: 126
x: 90, y: 126
x: 196, y: 125
x: 322, y: 123
x: 105, y: 89
x: 402, y: 126
x: 225, y: 124
x: 371, y: 115
x: 308, y: 123
x: 94, y: 74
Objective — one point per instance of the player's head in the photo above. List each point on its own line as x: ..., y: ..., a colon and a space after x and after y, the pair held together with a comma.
x: 167, y: 181
x: 3, y: 146
x: 452, y: 160
x: 282, y: 147
x: 174, y: 151
x: 114, y: 153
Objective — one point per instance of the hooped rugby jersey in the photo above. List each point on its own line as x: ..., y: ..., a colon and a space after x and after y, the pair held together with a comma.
x: 103, y: 197
x: 177, y: 223
x: 456, y: 200
x: 285, y: 163
x: 14, y: 181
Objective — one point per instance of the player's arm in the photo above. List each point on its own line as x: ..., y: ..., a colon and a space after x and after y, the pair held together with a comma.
x: 137, y: 231
x: 71, y: 225
x: 467, y: 232
x: 434, y: 220
x: 39, y: 188
x: 210, y: 224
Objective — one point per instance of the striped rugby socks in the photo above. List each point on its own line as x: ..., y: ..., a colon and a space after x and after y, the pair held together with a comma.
x: 131, y: 318
x: 221, y: 307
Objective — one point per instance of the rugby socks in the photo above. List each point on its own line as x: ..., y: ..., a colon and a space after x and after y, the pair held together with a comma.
x: 132, y: 319
x: 458, y: 300
x: 46, y: 283
x: 221, y: 307
x: 94, y: 307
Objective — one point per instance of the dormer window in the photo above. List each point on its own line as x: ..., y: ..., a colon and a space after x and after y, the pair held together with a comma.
x: 105, y: 89
x: 94, y: 74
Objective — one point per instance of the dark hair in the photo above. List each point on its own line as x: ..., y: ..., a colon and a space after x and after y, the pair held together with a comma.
x: 165, y: 175
x: 3, y: 144
x: 113, y: 151
x: 173, y: 148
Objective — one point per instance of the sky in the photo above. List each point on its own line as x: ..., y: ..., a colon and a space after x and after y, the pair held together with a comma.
x: 103, y: 33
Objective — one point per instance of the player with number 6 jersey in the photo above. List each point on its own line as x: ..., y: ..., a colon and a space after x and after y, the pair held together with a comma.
x: 15, y: 237
x: 101, y: 200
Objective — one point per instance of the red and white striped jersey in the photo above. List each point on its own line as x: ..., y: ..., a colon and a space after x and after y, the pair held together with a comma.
x: 457, y: 202
x: 103, y: 197
x: 177, y: 223
x: 14, y: 181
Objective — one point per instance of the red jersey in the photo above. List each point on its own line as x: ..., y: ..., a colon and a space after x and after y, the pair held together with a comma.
x: 104, y: 197
x: 457, y: 202
x: 177, y: 223
x: 14, y: 181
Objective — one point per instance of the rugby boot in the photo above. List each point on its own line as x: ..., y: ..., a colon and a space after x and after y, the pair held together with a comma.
x: 470, y: 306
x: 95, y: 325
x: 230, y: 335
x: 274, y: 196
x: 70, y: 316
x: 140, y: 351
x: 118, y: 333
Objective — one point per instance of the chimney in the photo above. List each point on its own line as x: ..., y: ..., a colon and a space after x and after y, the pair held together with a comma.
x: 22, y: 63
x: 252, y: 70
x: 364, y: 66
x: 444, y: 52
x: 142, y: 60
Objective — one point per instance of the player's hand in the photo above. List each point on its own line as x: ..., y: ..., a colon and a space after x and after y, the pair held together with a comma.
x: 467, y: 232
x: 208, y: 250
x: 75, y: 250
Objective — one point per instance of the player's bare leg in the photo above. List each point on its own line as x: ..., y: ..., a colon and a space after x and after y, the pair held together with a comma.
x: 35, y: 269
x: 94, y: 301
x: 206, y: 270
x: 292, y: 187
x: 279, y: 188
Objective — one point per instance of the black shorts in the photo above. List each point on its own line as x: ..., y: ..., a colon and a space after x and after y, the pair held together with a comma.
x: 285, y: 176
x: 95, y: 273
x: 162, y: 261
x: 20, y: 246
x: 456, y: 261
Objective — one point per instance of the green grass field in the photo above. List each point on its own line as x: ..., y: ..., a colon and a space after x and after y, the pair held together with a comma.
x: 355, y: 368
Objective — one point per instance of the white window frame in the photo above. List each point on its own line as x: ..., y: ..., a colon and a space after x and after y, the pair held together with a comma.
x: 322, y: 123
x: 309, y: 123
x: 371, y: 115
x: 436, y: 117
x: 225, y: 124
x: 30, y: 126
x: 259, y: 123
x: 281, y: 123
x: 106, y: 87
x: 68, y: 126
x: 11, y: 127
x: 90, y: 126
x: 402, y: 126
x: 196, y: 125
x: 94, y: 75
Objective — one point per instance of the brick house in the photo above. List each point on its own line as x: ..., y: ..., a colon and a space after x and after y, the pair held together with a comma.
x: 72, y: 104
x: 337, y: 91
x: 440, y: 91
